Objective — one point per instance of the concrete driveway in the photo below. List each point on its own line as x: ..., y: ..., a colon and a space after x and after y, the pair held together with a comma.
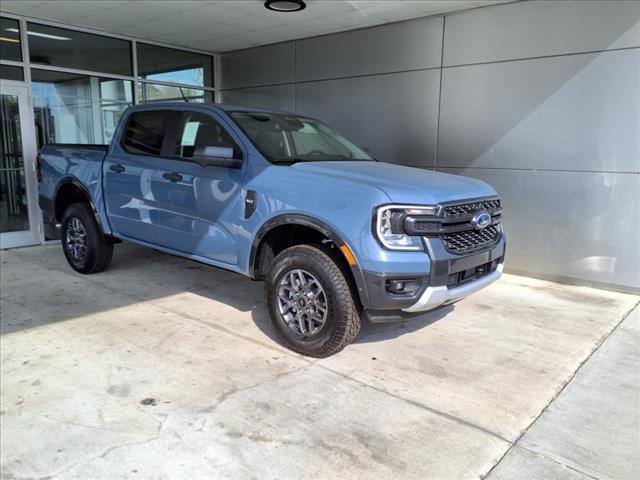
x: 164, y: 368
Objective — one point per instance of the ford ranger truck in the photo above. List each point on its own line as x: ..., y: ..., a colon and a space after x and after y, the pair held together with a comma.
x: 336, y: 236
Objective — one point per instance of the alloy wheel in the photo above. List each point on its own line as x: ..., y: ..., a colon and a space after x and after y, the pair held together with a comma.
x: 76, y: 239
x: 302, y: 302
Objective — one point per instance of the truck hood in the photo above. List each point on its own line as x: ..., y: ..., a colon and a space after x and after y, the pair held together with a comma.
x: 408, y: 185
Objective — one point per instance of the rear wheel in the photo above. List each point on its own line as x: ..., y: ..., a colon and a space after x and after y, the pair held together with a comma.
x: 84, y: 245
x: 310, y: 302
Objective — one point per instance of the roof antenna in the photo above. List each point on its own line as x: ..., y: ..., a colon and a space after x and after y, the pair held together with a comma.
x: 184, y: 97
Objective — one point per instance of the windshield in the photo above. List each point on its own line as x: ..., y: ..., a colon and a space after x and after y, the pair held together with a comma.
x: 283, y: 138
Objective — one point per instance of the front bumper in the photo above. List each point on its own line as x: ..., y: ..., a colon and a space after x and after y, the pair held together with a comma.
x: 442, y: 295
x: 448, y: 278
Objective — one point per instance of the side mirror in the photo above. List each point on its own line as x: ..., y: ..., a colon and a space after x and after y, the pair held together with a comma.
x: 208, y: 155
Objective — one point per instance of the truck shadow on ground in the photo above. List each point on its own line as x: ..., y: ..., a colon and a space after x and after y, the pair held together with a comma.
x: 137, y: 275
x: 369, y: 332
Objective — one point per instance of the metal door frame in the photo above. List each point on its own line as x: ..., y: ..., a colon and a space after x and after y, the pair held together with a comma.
x: 27, y: 129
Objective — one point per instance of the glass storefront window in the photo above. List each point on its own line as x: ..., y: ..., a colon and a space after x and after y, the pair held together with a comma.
x: 10, y: 47
x: 177, y: 66
x: 9, y: 72
x: 14, y: 215
x: 72, y: 108
x: 85, y: 107
x: 154, y: 92
x: 60, y: 47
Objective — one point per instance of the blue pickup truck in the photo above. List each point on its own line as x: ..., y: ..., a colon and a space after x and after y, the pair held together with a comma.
x: 336, y: 235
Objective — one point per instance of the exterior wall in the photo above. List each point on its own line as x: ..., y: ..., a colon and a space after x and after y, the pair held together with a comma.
x: 540, y: 99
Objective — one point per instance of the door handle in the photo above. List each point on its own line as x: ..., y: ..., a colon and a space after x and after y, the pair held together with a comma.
x: 117, y: 168
x: 174, y: 177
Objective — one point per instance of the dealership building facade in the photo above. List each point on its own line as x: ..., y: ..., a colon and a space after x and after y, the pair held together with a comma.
x: 539, y: 99
x: 64, y: 85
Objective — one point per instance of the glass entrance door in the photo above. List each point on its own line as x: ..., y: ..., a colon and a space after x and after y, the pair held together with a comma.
x: 19, y: 213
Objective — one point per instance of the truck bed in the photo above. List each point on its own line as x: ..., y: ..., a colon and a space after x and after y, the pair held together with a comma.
x: 61, y: 163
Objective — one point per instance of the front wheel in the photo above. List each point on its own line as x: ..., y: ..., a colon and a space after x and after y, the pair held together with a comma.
x: 84, y: 245
x: 310, y: 303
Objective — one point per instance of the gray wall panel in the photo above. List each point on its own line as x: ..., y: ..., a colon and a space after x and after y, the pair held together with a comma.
x: 570, y: 224
x: 388, y: 48
x: 558, y: 136
x: 539, y: 28
x: 277, y: 97
x: 578, y: 112
x: 393, y: 115
x: 258, y: 66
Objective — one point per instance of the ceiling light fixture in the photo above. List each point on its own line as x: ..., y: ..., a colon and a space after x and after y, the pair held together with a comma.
x: 38, y: 34
x: 285, y: 5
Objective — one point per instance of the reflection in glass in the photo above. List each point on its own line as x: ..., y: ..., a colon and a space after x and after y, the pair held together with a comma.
x: 9, y: 72
x: 153, y: 92
x: 60, y: 47
x: 71, y: 108
x: 177, y: 66
x: 14, y: 212
x: 10, y: 47
x: 145, y: 132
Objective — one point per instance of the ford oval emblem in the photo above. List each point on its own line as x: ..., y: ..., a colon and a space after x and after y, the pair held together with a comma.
x: 481, y: 220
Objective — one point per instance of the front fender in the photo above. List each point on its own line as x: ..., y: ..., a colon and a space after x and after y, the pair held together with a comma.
x: 324, y: 228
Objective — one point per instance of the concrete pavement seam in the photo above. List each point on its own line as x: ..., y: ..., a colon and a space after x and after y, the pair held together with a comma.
x: 315, y: 363
x: 412, y: 402
x: 558, y: 462
x: 435, y: 411
x: 311, y: 363
x: 567, y: 382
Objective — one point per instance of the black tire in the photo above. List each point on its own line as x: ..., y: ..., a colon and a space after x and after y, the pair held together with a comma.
x: 97, y: 249
x: 342, y: 322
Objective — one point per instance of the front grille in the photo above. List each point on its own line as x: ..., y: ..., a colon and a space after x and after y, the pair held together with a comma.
x: 471, y: 240
x: 425, y: 227
x: 473, y: 273
x: 454, y: 224
x: 470, y: 208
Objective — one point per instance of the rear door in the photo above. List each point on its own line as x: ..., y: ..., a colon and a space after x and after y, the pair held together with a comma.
x: 130, y: 177
x: 179, y: 204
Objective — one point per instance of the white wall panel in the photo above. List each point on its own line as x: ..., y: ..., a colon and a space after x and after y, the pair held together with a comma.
x: 268, y: 65
x: 578, y: 112
x: 539, y: 28
x: 570, y: 224
x: 277, y: 97
x: 394, y: 115
x: 551, y: 123
x: 395, y: 47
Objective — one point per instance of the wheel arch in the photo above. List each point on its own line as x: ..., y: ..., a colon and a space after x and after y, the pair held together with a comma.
x: 289, y: 222
x: 71, y: 190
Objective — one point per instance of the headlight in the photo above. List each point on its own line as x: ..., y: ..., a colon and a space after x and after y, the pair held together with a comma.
x: 390, y: 226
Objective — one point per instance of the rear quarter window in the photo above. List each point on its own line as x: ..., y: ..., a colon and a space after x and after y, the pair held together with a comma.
x: 145, y: 132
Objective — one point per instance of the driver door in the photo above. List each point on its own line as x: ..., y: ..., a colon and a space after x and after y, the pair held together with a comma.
x: 200, y: 206
x: 156, y: 194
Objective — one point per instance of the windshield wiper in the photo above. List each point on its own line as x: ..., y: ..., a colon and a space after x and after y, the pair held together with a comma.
x: 287, y: 161
x: 298, y: 159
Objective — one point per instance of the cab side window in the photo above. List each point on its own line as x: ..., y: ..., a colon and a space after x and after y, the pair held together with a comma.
x: 145, y: 132
x: 200, y: 129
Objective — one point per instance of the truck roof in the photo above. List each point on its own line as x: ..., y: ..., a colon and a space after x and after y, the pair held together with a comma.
x: 216, y: 106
